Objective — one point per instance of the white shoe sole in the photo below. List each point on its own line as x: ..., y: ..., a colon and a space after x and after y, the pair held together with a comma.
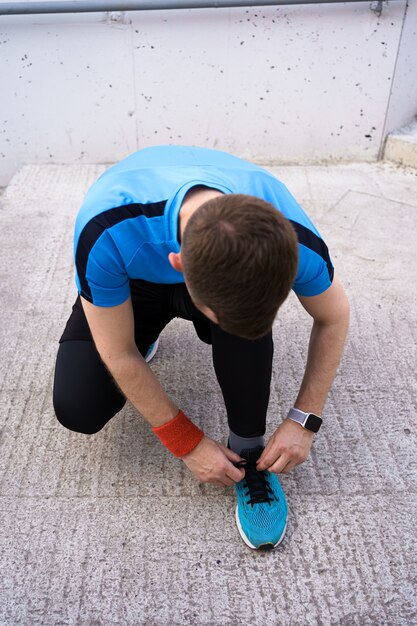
x: 152, y: 353
x: 264, y: 546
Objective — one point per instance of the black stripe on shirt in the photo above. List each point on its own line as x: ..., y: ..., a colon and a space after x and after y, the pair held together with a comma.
x: 309, y: 239
x: 101, y: 222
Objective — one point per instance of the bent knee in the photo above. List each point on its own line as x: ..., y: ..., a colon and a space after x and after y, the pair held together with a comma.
x: 78, y: 423
x: 77, y: 419
x: 85, y: 396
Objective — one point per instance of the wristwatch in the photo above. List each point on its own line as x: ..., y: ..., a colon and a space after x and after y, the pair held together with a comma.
x: 309, y: 421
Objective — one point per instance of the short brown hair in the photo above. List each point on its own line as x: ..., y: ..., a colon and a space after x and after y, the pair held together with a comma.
x: 240, y: 258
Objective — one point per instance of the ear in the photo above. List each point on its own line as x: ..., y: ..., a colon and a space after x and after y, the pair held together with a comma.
x: 175, y: 259
x: 209, y: 313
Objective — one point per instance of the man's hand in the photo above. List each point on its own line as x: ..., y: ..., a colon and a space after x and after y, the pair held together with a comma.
x: 288, y: 447
x: 211, y: 462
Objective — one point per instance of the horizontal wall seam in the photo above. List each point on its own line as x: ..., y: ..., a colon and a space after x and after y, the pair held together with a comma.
x: 94, y: 6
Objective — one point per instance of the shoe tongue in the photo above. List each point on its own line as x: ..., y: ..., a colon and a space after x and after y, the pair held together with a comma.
x: 252, y: 454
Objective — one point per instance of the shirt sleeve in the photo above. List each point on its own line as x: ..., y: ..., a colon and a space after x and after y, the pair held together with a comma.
x: 314, y: 275
x: 100, y: 273
x: 315, y: 268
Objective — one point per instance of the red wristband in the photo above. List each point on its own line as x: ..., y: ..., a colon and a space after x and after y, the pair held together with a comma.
x: 179, y: 435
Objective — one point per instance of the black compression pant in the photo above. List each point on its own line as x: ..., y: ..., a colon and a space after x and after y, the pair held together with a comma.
x: 86, y: 396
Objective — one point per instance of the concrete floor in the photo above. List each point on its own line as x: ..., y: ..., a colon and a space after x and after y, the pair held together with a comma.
x: 111, y: 530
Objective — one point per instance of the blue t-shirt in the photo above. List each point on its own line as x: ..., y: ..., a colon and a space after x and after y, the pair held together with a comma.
x: 128, y: 223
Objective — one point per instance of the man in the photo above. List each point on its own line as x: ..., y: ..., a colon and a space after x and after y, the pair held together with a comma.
x: 202, y: 235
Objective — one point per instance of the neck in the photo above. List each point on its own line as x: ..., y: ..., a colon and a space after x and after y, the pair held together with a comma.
x: 193, y: 199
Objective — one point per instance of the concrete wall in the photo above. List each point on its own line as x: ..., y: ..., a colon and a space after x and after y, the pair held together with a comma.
x: 403, y: 101
x: 288, y: 84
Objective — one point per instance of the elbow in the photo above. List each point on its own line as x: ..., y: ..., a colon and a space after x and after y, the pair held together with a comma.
x: 117, y: 361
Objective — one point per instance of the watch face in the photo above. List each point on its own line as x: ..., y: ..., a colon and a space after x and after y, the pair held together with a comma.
x: 313, y: 423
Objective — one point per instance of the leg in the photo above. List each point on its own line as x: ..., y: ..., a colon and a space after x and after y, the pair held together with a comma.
x: 243, y: 369
x: 85, y: 395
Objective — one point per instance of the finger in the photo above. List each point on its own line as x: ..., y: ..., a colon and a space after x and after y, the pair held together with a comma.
x: 232, y: 456
x: 279, y: 464
x: 290, y: 466
x: 234, y: 481
x: 240, y: 464
x: 267, y: 458
x: 234, y: 473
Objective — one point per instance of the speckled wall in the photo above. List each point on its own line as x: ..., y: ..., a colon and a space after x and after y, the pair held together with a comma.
x: 403, y: 101
x: 288, y: 84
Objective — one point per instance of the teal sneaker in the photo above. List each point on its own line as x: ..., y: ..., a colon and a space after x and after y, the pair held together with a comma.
x: 151, y: 351
x: 261, y: 512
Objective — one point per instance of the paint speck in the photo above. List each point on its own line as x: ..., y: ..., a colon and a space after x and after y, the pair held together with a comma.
x: 407, y: 431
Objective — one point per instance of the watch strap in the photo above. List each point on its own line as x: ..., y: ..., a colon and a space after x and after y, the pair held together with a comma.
x: 309, y: 421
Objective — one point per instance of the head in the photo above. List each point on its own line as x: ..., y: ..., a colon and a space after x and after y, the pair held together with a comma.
x: 239, y: 257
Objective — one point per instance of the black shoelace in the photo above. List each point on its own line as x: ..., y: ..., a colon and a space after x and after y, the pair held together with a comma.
x: 258, y: 488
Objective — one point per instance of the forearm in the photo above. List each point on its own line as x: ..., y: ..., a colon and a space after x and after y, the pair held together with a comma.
x: 142, y: 388
x: 324, y: 353
x: 290, y: 444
